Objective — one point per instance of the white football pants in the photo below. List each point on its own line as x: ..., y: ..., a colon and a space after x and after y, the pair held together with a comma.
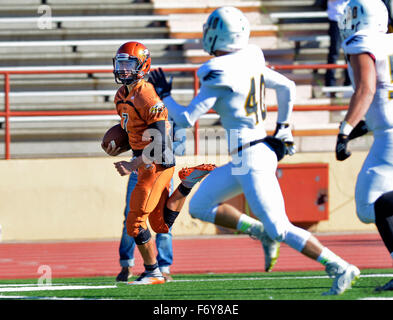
x: 376, y: 176
x: 253, y: 173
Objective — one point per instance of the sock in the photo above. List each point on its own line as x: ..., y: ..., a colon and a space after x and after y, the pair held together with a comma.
x: 245, y: 222
x: 170, y: 216
x: 153, y: 270
x: 328, y: 256
x: 151, y: 267
x: 184, y: 190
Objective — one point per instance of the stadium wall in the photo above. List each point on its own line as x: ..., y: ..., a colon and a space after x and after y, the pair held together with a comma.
x: 83, y: 198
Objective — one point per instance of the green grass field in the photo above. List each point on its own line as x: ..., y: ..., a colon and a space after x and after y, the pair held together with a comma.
x: 250, y: 286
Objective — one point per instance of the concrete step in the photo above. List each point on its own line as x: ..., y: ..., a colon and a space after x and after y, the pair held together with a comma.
x: 74, y: 34
x: 31, y: 8
x: 287, y: 5
x: 201, y: 6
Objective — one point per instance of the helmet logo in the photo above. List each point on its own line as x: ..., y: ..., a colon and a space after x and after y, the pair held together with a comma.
x: 145, y: 54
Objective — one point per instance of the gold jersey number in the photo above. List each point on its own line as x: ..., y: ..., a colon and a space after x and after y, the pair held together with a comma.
x: 255, y: 102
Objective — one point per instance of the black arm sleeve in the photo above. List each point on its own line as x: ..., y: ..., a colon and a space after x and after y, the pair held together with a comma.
x: 162, y: 143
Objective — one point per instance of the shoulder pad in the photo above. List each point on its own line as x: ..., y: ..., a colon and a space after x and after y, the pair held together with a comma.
x: 212, y: 74
x: 120, y: 94
x: 358, y: 43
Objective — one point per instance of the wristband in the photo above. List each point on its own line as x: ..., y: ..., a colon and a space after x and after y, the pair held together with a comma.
x: 345, y: 128
x: 283, y: 125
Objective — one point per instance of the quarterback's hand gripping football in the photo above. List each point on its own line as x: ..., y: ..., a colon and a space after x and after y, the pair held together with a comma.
x: 111, y: 150
x: 284, y: 133
x: 161, y: 85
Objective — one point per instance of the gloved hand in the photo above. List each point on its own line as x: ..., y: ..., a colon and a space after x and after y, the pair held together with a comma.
x: 284, y: 133
x: 347, y: 133
x: 161, y: 85
x: 341, y: 147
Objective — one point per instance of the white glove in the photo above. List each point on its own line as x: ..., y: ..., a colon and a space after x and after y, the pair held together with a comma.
x: 284, y: 133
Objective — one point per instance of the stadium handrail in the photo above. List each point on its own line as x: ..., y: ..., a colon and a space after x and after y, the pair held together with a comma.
x: 8, y: 113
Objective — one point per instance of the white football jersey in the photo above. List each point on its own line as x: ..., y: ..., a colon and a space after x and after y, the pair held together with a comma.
x: 234, y: 86
x: 380, y: 46
x: 241, y: 108
x: 239, y: 80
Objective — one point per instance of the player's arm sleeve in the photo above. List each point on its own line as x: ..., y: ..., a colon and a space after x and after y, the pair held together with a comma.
x: 162, y: 144
x: 187, y: 116
x: 285, y: 91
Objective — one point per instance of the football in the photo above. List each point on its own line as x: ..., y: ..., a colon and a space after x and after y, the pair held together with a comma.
x: 116, y: 136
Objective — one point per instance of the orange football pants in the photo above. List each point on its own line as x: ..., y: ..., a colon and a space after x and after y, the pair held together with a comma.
x: 148, y: 199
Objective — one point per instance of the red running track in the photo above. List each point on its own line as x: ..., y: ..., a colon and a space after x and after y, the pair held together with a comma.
x: 221, y: 254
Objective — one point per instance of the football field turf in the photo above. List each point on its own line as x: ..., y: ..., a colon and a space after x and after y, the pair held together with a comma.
x: 229, y: 286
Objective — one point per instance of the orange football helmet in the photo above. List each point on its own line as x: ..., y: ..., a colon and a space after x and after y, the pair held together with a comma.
x: 131, y: 63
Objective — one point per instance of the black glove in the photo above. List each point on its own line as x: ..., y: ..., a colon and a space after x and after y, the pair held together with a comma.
x: 341, y: 147
x: 284, y: 133
x: 158, y: 79
x: 359, y: 130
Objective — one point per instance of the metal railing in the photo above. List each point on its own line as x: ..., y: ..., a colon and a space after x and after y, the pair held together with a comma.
x: 8, y: 113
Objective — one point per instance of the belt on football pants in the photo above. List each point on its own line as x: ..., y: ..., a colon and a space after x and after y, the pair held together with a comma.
x: 275, y: 144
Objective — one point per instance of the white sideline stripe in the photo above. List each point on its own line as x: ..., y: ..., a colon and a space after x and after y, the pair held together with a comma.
x: 88, y: 286
x: 54, y: 288
x: 382, y: 275
x: 32, y: 287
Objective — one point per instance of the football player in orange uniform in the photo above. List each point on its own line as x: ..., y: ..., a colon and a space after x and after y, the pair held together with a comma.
x: 145, y: 118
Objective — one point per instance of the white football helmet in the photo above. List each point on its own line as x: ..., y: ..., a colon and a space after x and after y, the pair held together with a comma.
x: 226, y: 29
x: 363, y: 15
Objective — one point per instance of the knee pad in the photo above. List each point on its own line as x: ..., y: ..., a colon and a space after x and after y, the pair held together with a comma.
x: 199, y: 212
x: 383, y: 207
x: 143, y: 236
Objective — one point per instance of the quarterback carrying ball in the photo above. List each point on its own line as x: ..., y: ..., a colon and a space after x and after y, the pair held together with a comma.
x: 145, y: 119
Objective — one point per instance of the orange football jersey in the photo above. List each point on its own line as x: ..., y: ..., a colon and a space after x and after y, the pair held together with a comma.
x: 139, y: 108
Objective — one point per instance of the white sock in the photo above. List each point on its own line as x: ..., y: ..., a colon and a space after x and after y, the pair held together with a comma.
x: 245, y: 222
x: 328, y: 256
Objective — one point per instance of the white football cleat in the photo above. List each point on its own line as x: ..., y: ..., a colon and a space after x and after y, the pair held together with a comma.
x: 343, y: 278
x: 149, y: 278
x: 270, y: 247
